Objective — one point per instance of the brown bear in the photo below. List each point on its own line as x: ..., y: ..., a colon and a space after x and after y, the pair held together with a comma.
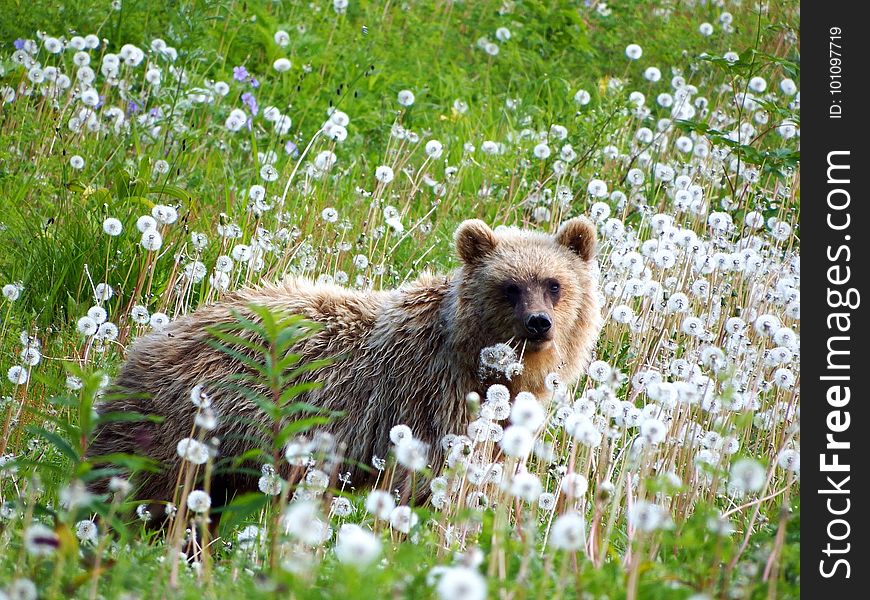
x: 411, y: 355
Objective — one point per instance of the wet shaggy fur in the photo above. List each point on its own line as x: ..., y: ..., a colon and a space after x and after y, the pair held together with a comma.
x: 411, y: 355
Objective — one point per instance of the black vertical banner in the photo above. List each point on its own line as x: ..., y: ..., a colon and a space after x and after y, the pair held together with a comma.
x: 834, y: 168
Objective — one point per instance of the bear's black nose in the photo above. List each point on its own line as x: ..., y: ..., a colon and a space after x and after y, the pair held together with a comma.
x: 538, y: 323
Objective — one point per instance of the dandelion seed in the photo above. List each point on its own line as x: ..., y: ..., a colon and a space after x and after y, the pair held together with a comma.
x: 97, y: 314
x: 360, y: 262
x: 107, y: 331
x: 788, y: 87
x: 652, y: 74
x: 434, y: 149
x: 316, y: 481
x: 199, y: 397
x: 164, y: 215
x: 757, y: 84
x: 74, y: 383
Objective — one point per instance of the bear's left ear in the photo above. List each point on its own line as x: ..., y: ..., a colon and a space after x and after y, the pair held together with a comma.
x: 579, y: 236
x: 474, y: 240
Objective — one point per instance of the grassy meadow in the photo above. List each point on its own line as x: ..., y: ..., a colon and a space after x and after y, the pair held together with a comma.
x: 156, y: 156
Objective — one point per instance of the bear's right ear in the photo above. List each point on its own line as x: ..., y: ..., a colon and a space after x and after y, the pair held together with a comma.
x: 474, y: 240
x: 579, y: 236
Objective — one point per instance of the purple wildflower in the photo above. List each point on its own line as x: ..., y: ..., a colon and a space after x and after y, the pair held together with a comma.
x: 254, y: 83
x: 291, y: 148
x: 132, y: 108
x: 250, y: 102
x: 240, y: 73
x: 19, y: 43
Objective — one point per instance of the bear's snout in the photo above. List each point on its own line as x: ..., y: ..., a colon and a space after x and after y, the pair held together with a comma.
x: 538, y: 324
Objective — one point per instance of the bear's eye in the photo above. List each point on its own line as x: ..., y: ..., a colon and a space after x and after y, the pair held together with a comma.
x: 512, y: 292
x: 555, y: 287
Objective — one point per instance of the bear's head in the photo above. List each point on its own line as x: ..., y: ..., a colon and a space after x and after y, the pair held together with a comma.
x: 535, y: 291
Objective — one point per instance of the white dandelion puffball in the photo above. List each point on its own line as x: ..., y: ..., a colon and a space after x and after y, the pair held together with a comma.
x: 402, y: 519
x: 17, y: 375
x: 633, y: 51
x: 356, y: 546
x: 198, y: 501
x: 400, y: 433
x: 11, y: 292
x: 152, y: 240
x: 748, y: 474
x: 582, y: 97
x: 412, y: 454
x: 87, y: 326
x: 517, y: 441
x: 112, y: 226
x: 568, y: 532
x: 406, y: 98
x: 384, y: 174
x: 282, y: 38
x: 193, y: 451
x: 527, y: 411
x: 461, y: 583
x: 282, y: 65
x: 380, y: 504
x: 302, y: 521
x: 86, y: 531
x: 542, y: 151
x: 40, y: 540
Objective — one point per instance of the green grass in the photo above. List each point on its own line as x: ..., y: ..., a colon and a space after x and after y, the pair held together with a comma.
x: 51, y: 217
